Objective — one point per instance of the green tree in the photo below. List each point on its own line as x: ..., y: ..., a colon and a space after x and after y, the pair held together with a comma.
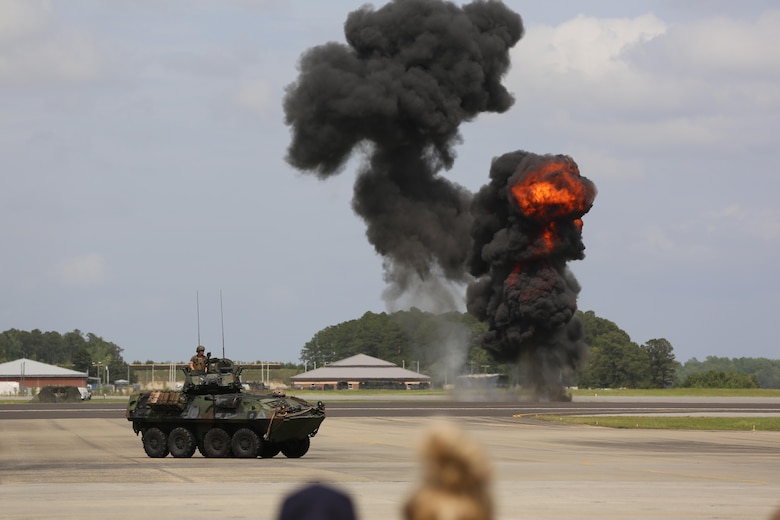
x: 446, y: 345
x: 765, y: 371
x: 372, y: 334
x: 440, y: 344
x: 82, y: 360
x: 615, y: 362
x: 661, y: 363
x: 71, y: 349
x: 720, y: 379
x: 595, y: 326
x: 11, y: 345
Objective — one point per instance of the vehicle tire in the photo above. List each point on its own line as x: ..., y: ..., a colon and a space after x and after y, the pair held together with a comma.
x: 181, y: 443
x: 245, y: 444
x: 269, y: 449
x: 155, y: 443
x: 216, y: 443
x: 295, y: 448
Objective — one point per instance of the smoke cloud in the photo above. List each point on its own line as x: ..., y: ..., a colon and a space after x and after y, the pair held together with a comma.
x: 410, y: 74
x: 527, y: 225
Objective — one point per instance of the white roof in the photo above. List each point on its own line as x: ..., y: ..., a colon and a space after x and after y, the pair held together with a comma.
x: 362, y: 360
x: 28, y: 367
x: 361, y: 367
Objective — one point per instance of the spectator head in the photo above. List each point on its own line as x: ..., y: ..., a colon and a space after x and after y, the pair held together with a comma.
x: 455, y: 481
x: 317, y: 502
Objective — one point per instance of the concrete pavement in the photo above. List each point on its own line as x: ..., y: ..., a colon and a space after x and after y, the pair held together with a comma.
x: 96, y: 468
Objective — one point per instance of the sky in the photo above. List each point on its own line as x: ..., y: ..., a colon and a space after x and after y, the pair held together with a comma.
x: 145, y: 196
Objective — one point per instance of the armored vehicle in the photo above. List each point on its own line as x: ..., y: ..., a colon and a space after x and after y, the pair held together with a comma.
x: 213, y: 414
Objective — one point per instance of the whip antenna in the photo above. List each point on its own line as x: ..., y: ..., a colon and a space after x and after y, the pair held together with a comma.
x: 197, y: 308
x: 222, y: 317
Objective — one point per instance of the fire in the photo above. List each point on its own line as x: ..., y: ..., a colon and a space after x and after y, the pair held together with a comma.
x: 550, y: 236
x: 528, y: 225
x: 551, y: 194
x: 555, y: 190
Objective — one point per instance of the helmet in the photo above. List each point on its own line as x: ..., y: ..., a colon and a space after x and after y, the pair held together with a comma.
x: 200, y: 348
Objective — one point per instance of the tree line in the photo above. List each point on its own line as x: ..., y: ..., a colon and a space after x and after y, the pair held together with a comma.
x: 617, y: 362
x: 448, y: 344
x: 443, y: 346
x: 75, y: 350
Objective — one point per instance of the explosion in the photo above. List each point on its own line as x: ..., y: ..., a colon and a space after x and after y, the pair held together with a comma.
x: 412, y: 72
x: 527, y: 225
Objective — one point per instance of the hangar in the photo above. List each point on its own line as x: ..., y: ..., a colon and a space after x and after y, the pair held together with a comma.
x: 34, y: 374
x: 360, y: 371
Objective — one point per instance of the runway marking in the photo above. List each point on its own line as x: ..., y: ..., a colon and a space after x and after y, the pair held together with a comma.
x: 696, y: 475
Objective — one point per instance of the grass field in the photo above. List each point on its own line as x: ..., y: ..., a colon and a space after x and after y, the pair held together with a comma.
x: 682, y: 392
x: 672, y: 423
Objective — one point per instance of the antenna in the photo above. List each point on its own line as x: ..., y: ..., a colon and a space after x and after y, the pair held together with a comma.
x: 222, y: 317
x: 197, y: 307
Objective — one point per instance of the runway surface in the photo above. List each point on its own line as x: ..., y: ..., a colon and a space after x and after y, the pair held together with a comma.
x: 425, y: 408
x: 83, y: 462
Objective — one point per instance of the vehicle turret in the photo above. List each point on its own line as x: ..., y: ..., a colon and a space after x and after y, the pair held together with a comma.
x: 221, y: 376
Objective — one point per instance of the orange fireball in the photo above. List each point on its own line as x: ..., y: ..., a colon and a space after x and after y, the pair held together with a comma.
x: 554, y: 191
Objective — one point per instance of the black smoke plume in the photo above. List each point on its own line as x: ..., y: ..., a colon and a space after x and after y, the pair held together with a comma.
x: 527, y: 225
x: 410, y: 74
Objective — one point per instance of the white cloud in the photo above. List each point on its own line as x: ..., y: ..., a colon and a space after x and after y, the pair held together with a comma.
x: 599, y: 165
x: 586, y: 46
x: 725, y: 234
x: 672, y: 132
x: 584, y: 57
x: 719, y: 46
x: 763, y: 223
x: 655, y: 240
x: 254, y: 95
x: 661, y: 247
x: 34, y: 51
x: 22, y: 17
x: 89, y: 269
x: 645, y: 83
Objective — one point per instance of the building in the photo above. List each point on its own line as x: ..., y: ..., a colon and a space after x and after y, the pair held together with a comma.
x: 360, y: 371
x: 34, y: 374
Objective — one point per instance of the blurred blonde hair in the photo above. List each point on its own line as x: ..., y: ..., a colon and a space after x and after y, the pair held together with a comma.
x: 456, y: 478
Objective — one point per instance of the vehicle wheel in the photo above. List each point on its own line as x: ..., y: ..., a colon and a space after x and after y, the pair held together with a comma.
x: 181, y: 443
x: 269, y: 449
x: 245, y: 444
x: 155, y: 443
x: 216, y: 443
x: 295, y: 448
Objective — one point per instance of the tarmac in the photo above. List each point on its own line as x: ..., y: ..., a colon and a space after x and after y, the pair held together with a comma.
x: 96, y: 468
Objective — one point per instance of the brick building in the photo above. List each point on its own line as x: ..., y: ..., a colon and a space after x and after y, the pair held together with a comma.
x: 34, y: 374
x: 360, y: 371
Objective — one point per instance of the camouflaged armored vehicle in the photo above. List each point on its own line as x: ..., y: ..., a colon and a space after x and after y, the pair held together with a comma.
x: 214, y: 415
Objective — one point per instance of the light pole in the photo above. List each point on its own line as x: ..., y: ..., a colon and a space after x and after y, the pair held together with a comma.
x: 97, y: 373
